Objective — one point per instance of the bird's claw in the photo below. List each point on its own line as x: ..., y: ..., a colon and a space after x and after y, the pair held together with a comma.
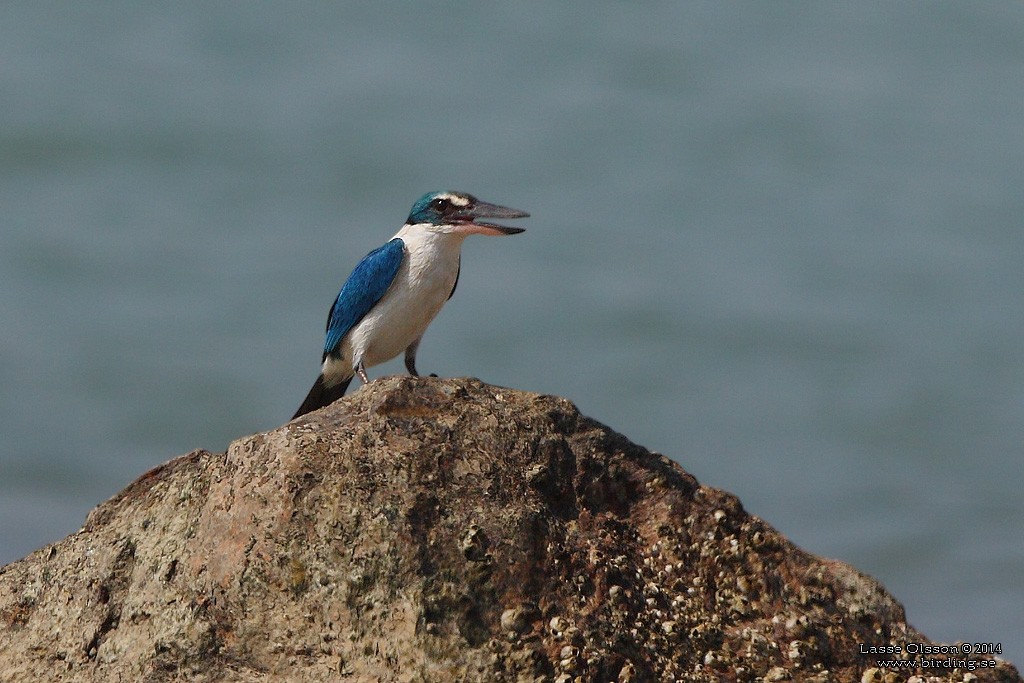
x: 361, y: 371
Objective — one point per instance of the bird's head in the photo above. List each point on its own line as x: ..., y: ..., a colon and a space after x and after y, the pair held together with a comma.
x: 460, y: 213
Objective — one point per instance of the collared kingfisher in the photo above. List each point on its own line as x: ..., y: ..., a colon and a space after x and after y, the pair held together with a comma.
x: 394, y: 293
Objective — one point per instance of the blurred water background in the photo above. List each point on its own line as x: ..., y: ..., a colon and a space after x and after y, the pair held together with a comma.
x: 779, y: 242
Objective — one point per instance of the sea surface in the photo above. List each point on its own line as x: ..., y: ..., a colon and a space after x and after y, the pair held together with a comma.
x: 779, y: 242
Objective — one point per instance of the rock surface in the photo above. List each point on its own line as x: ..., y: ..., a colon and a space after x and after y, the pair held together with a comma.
x: 441, y: 530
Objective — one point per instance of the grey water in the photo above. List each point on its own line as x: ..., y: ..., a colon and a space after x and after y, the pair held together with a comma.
x: 778, y: 242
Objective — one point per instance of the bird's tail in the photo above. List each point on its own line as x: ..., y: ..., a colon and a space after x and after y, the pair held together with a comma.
x: 321, y: 395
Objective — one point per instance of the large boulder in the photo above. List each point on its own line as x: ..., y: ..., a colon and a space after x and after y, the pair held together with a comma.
x: 444, y: 530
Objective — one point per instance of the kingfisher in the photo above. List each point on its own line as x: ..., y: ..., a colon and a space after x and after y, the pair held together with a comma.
x: 393, y: 294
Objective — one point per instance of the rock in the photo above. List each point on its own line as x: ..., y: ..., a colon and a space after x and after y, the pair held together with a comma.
x: 440, y: 530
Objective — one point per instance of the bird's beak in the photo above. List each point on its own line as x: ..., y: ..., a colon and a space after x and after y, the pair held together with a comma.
x: 467, y: 220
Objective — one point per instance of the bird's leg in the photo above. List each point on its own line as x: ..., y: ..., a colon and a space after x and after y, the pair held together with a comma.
x: 361, y: 371
x: 410, y: 358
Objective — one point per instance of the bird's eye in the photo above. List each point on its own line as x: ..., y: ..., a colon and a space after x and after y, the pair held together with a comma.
x: 441, y: 204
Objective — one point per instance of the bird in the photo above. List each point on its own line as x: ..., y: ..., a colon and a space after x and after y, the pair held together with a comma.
x: 396, y: 290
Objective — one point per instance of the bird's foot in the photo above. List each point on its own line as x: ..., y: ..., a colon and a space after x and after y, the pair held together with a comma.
x: 361, y: 371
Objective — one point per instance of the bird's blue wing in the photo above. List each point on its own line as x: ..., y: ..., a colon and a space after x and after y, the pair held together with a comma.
x: 363, y: 289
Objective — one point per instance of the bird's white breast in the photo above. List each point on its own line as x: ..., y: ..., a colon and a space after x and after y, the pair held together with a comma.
x: 424, y: 282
